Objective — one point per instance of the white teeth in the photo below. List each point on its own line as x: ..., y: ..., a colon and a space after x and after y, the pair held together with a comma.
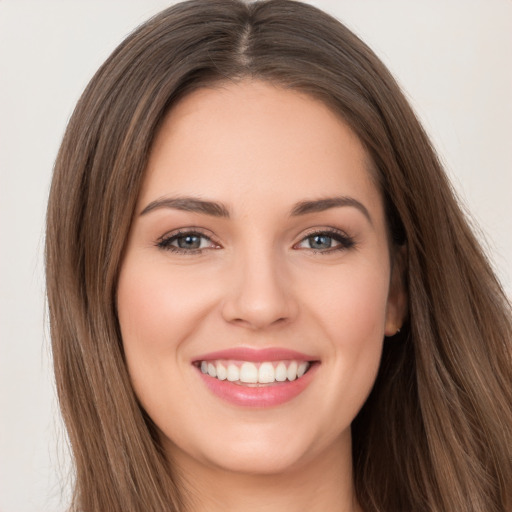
x: 255, y: 373
x: 281, y: 372
x: 266, y: 373
x: 248, y: 373
x: 301, y: 370
x: 222, y: 373
x: 212, y: 371
x: 292, y: 371
x: 233, y: 373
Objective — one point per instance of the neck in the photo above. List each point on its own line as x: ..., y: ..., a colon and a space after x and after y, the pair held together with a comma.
x: 324, y: 484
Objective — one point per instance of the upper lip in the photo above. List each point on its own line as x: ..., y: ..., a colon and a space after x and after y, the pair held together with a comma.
x: 255, y: 355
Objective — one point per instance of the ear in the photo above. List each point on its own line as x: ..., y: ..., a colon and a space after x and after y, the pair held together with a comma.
x: 396, y: 310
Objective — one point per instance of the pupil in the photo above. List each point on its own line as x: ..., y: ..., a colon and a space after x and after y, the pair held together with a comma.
x: 320, y: 242
x: 189, y: 242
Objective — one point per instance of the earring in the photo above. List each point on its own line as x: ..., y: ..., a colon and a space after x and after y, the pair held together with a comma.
x: 391, y: 335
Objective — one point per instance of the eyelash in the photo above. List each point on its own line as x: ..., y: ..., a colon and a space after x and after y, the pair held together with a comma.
x: 165, y: 242
x: 345, y: 242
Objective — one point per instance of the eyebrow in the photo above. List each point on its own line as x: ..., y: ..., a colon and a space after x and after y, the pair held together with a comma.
x: 188, y: 204
x: 320, y: 205
x: 216, y: 209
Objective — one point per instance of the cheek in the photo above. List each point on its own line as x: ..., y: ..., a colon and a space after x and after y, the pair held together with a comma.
x: 352, y: 315
x: 155, y: 318
x: 352, y: 307
x: 358, y: 321
x: 141, y: 300
x: 157, y: 307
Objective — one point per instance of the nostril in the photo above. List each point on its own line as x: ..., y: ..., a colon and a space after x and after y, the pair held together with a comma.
x: 258, y: 299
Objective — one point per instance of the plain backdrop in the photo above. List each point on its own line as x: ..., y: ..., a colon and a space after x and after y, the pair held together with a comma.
x: 452, y: 59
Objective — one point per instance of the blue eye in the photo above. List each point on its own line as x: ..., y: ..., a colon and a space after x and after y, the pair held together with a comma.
x: 326, y: 241
x: 320, y: 241
x: 186, y: 242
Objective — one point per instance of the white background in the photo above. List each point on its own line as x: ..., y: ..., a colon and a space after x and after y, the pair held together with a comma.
x: 453, y: 59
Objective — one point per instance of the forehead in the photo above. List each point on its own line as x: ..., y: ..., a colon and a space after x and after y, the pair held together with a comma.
x: 247, y: 138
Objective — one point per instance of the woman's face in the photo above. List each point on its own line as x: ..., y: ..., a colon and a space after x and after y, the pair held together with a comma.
x: 255, y: 292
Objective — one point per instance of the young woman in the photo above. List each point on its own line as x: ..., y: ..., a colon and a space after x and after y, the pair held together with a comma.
x: 263, y: 294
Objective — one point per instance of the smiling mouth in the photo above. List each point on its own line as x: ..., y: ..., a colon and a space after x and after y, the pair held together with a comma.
x: 254, y: 374
x: 257, y: 378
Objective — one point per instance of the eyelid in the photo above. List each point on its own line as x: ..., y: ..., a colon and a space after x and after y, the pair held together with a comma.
x: 164, y: 241
x: 345, y: 241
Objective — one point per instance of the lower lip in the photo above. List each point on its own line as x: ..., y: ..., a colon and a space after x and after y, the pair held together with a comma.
x: 268, y: 395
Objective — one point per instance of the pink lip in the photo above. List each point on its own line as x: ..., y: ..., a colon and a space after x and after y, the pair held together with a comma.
x: 269, y: 395
x: 255, y: 355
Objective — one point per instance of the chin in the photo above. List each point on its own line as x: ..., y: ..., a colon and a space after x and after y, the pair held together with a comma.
x: 257, y: 450
x: 260, y: 460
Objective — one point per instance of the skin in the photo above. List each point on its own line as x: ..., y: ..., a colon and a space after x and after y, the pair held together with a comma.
x: 258, y: 282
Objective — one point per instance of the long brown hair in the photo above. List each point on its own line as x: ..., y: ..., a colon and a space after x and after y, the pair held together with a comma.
x: 436, y: 433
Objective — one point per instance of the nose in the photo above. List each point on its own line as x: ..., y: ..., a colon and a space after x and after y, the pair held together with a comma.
x: 260, y: 294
